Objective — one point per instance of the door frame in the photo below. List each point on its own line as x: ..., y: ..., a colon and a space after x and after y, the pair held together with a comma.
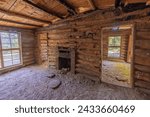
x: 131, y: 85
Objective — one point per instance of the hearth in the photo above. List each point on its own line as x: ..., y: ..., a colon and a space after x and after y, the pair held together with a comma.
x: 66, y: 59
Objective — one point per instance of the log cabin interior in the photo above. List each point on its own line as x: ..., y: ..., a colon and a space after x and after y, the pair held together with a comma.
x: 74, y: 49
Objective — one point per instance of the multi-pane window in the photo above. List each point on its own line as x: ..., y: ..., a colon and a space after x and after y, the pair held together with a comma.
x: 10, y: 50
x: 114, y: 46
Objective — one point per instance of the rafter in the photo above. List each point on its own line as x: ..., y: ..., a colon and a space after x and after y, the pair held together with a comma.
x: 109, y: 19
x: 16, y: 22
x: 148, y: 2
x: 43, y: 9
x: 92, y: 4
x: 10, y: 13
x: 70, y: 8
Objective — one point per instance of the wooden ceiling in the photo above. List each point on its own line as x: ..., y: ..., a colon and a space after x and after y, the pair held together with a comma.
x: 39, y: 13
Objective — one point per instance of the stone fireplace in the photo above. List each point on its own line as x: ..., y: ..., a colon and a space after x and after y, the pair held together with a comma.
x: 66, y: 59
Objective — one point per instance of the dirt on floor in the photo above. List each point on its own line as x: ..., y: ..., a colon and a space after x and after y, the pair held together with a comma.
x: 117, y: 73
x: 33, y: 83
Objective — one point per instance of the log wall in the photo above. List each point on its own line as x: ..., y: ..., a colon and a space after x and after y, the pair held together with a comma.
x: 85, y: 35
x: 142, y: 57
x: 85, y: 41
x: 28, y: 45
x: 41, y: 48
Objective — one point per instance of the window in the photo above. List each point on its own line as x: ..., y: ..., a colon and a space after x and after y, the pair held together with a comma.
x: 114, y: 46
x: 10, y: 50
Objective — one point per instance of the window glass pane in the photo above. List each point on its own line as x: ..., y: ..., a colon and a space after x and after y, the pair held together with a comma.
x: 14, y: 40
x: 7, y: 58
x: 14, y: 35
x: 15, y: 55
x: 15, y: 45
x: 7, y: 63
x: 16, y: 62
x: 114, y: 52
x: 6, y: 46
x: 4, y: 35
x: 11, y: 57
x: 5, y: 41
x: 7, y: 55
x: 115, y: 41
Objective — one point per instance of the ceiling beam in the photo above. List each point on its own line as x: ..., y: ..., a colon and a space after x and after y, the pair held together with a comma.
x: 15, y: 28
x: 148, y: 2
x: 126, y: 2
x: 103, y: 22
x: 43, y: 9
x: 92, y: 4
x: 10, y: 13
x: 21, y: 23
x: 70, y: 8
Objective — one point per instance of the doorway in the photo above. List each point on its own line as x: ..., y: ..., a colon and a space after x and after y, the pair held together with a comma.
x: 117, y: 55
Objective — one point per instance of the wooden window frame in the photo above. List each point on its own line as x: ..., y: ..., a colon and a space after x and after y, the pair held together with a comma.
x: 20, y: 51
x: 111, y: 57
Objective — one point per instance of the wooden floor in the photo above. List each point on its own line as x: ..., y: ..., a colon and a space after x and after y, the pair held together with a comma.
x: 32, y: 83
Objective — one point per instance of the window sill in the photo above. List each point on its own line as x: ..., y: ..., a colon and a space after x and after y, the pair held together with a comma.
x: 10, y: 67
x: 115, y: 59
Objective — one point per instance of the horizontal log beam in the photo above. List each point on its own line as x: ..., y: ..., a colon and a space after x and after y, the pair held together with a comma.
x: 102, y: 22
x: 42, y: 8
x: 10, y: 13
x: 142, y: 68
x: 14, y: 28
x: 21, y: 23
x: 148, y: 2
x: 142, y: 84
x: 126, y: 2
x: 67, y: 6
x: 142, y: 76
x: 92, y: 4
